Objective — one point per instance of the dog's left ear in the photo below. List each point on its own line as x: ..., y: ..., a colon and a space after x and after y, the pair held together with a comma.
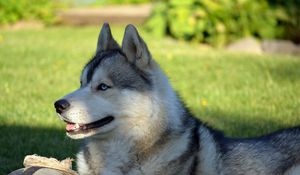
x: 135, y: 48
x: 106, y: 40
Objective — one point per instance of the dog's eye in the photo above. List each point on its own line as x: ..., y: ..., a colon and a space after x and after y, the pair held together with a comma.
x: 102, y: 87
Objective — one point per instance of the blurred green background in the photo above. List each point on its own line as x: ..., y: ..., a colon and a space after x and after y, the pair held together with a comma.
x: 219, y: 22
x: 216, y: 22
x: 242, y: 94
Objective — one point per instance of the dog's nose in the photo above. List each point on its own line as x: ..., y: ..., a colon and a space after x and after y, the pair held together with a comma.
x: 61, y: 105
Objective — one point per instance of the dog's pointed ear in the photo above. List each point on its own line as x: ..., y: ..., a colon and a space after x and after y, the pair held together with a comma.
x: 106, y: 40
x: 135, y: 48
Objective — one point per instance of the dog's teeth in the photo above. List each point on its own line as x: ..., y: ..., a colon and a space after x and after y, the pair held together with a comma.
x: 77, y: 126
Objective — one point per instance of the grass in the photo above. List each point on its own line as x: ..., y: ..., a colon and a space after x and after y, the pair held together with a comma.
x: 240, y: 94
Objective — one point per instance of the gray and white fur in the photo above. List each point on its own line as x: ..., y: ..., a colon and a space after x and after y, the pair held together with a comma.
x: 143, y: 128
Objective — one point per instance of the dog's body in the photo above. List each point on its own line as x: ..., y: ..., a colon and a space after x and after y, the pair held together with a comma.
x: 133, y: 123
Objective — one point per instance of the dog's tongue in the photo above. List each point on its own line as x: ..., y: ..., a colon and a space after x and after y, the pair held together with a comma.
x: 72, y: 126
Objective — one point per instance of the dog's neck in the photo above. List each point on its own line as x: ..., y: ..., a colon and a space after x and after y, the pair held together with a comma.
x: 124, y: 155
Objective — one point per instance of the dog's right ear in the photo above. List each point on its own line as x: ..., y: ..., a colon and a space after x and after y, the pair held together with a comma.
x: 106, y: 40
x: 135, y: 48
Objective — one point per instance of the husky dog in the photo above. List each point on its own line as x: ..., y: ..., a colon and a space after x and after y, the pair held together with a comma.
x: 132, y: 122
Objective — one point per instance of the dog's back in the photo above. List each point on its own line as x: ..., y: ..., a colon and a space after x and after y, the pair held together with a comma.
x: 271, y: 154
x: 274, y: 154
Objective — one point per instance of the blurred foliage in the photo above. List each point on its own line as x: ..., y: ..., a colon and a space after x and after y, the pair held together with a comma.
x: 218, y: 22
x: 97, y: 3
x: 12, y: 11
x: 127, y: 1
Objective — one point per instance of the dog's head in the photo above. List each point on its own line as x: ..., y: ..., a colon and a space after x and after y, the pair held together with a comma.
x: 116, y: 90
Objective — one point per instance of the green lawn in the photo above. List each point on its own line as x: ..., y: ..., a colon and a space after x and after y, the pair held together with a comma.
x: 241, y: 94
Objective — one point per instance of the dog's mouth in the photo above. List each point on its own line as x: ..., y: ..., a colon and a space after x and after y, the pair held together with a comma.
x: 77, y: 128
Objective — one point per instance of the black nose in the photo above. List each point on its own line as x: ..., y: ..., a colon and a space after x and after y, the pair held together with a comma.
x: 61, y: 105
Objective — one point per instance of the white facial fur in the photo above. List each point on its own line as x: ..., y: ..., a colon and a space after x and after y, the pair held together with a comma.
x: 87, y: 105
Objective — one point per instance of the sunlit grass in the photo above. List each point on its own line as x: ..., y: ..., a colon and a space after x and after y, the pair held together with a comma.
x: 241, y: 94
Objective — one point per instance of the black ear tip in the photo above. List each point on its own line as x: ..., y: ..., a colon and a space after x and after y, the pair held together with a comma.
x: 105, y: 27
x: 105, y: 24
x: 130, y: 28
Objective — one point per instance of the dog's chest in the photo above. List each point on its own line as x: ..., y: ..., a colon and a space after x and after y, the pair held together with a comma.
x: 110, y: 163
x: 129, y: 168
x: 119, y: 158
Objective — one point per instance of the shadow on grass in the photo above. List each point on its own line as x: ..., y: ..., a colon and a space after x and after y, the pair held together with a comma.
x: 286, y: 71
x: 18, y: 141
x: 242, y: 125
